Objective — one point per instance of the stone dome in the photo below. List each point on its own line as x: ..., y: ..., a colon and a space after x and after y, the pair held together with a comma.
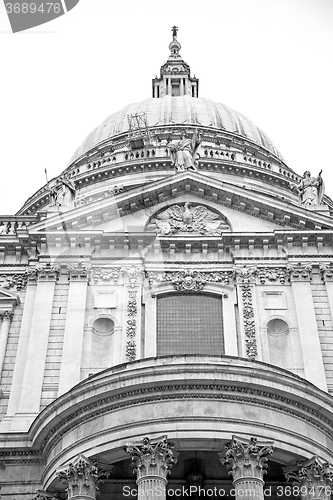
x: 180, y: 110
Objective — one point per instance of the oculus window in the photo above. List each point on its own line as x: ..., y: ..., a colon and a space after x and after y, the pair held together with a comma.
x: 189, y: 323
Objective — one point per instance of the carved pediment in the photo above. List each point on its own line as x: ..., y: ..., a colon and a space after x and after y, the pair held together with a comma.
x: 250, y: 202
x: 8, y: 300
x: 188, y: 219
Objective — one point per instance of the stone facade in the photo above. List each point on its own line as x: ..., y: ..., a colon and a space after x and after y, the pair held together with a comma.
x: 216, y: 262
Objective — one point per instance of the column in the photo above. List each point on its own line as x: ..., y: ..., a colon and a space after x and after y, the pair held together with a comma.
x: 81, y: 478
x: 38, y: 341
x: 153, y: 460
x: 6, y: 319
x: 181, y: 86
x: 169, y: 86
x: 21, y: 354
x: 70, y: 368
x: 312, y: 479
x: 300, y: 277
x: 247, y: 461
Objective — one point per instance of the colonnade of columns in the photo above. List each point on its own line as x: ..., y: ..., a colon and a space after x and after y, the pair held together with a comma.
x: 246, y: 460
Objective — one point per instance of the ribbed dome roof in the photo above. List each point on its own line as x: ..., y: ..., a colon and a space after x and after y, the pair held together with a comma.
x: 182, y: 110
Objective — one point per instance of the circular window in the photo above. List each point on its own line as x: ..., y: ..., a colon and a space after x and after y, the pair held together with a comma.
x: 277, y: 326
x: 103, y: 326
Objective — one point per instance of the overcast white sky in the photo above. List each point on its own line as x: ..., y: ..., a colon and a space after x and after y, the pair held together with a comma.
x: 269, y: 59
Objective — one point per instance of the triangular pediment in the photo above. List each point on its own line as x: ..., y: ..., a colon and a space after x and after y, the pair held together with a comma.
x: 246, y: 202
x: 8, y: 298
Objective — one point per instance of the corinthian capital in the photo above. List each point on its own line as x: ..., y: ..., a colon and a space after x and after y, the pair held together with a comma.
x: 314, y: 478
x: 48, y: 272
x: 7, y: 316
x: 326, y: 270
x: 247, y: 458
x: 81, y: 477
x: 300, y: 271
x: 152, y: 457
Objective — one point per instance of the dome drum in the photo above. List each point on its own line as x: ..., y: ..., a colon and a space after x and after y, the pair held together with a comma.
x: 115, y: 159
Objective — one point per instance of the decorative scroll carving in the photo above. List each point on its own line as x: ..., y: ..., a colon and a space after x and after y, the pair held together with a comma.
x: 314, y: 477
x: 187, y: 218
x: 326, y: 270
x: 189, y: 279
x: 81, y: 477
x: 247, y: 459
x: 152, y: 457
x: 249, y: 322
x: 300, y: 272
x: 133, y: 274
x: 245, y: 274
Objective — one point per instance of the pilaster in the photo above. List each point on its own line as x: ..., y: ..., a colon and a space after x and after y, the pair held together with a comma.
x: 229, y: 324
x: 5, y: 319
x: 247, y: 461
x: 312, y: 480
x: 152, y: 461
x: 21, y: 353
x: 300, y: 277
x: 326, y: 270
x: 32, y: 382
x: 74, y: 327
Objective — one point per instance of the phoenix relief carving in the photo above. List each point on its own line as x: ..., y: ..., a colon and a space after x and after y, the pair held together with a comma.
x: 188, y: 218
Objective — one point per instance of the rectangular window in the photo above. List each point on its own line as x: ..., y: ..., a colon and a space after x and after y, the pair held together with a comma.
x: 189, y: 323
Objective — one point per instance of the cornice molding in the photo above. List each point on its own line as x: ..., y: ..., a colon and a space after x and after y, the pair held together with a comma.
x: 224, y: 193
x: 44, y: 432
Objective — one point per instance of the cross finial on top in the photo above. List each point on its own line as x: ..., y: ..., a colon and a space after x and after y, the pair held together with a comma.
x: 174, y: 30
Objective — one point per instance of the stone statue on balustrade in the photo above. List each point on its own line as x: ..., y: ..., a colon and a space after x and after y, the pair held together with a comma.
x: 184, y: 155
x: 310, y: 189
x: 66, y: 195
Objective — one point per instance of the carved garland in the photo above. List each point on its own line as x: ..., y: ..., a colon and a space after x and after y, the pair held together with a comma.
x: 249, y: 322
x: 189, y: 279
x: 133, y: 273
x: 245, y: 276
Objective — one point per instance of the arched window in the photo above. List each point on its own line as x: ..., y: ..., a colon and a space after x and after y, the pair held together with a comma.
x: 189, y: 323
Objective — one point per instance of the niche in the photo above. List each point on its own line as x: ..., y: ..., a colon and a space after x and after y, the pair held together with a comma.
x: 101, y: 343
